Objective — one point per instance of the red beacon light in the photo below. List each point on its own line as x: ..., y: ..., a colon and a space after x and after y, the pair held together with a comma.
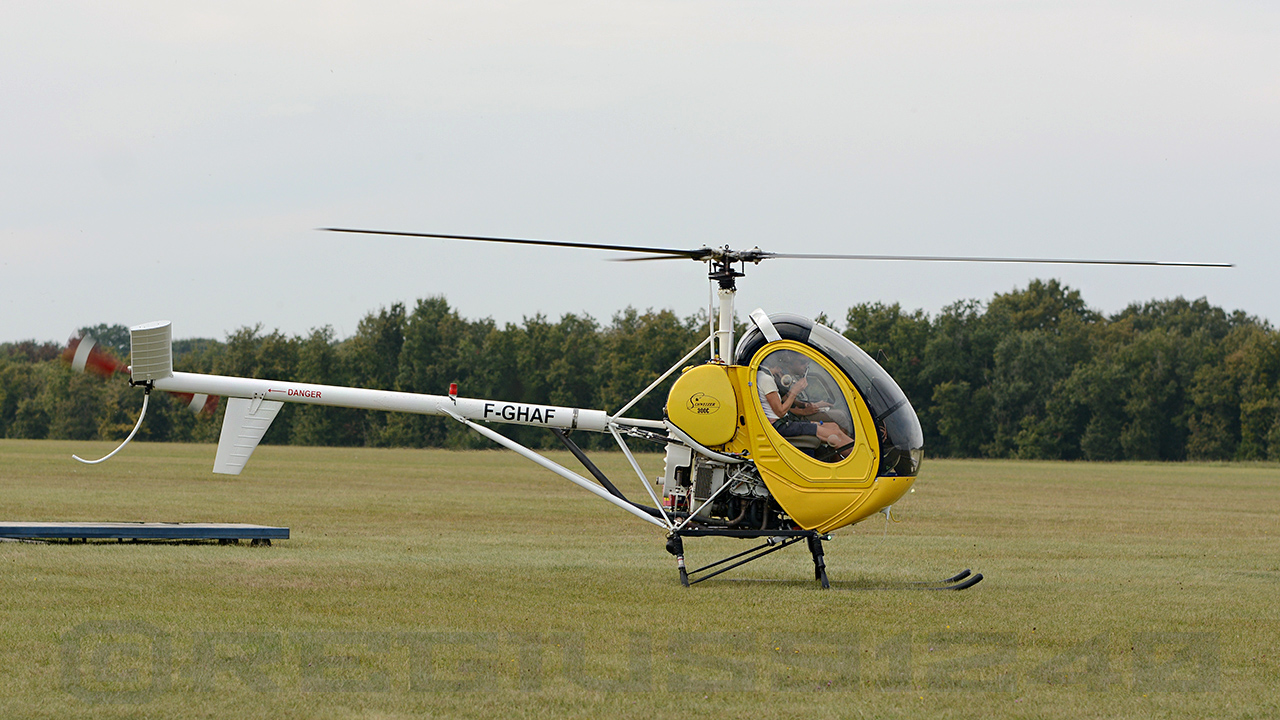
x: 453, y: 391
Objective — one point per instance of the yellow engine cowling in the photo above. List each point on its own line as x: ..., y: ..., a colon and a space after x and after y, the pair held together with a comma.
x: 703, y: 404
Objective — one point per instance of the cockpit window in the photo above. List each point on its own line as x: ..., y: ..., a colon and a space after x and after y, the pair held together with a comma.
x: 901, y: 437
x: 881, y: 392
x: 805, y: 404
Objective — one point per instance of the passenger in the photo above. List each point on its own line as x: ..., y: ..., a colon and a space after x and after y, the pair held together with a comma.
x: 790, y: 371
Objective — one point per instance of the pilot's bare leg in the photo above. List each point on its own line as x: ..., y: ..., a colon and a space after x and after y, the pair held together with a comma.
x: 831, y: 434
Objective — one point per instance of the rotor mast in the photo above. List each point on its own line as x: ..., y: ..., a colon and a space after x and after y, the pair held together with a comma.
x: 721, y: 271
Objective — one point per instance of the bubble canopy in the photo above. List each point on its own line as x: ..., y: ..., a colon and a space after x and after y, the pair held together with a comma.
x: 901, y: 438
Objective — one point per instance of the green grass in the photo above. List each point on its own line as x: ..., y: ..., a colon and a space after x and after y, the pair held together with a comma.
x: 445, y: 584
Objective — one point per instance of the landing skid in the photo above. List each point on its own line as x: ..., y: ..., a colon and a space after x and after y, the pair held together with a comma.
x: 777, y: 540
x: 962, y: 580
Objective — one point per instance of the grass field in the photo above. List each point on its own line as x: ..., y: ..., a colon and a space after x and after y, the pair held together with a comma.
x: 450, y: 584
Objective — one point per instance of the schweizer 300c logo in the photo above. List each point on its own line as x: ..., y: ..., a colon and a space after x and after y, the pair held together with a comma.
x: 703, y: 404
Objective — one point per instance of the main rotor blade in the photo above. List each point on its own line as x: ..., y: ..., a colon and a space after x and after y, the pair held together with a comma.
x: 660, y: 257
x: 694, y: 254
x: 943, y: 258
x: 755, y: 255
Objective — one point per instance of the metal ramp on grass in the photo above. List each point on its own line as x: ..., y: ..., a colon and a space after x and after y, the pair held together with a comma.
x: 224, y: 532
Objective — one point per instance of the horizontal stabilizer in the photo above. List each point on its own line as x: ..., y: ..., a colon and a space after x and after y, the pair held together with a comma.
x: 243, y: 426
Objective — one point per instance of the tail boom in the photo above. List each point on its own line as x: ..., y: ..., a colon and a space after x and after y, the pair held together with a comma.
x: 549, y: 416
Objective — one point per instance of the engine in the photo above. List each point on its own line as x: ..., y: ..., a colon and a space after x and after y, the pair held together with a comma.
x: 738, y: 496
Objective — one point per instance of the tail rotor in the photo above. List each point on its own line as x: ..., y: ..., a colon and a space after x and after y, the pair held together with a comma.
x: 85, y: 354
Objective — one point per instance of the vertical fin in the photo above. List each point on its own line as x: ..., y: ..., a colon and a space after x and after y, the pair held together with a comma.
x: 245, y: 423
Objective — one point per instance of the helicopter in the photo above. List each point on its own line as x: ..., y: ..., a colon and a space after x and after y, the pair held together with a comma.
x: 785, y: 435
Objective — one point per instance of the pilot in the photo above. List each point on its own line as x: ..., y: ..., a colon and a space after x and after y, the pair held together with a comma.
x: 789, y: 369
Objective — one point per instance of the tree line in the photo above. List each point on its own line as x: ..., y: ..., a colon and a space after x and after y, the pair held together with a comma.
x: 1032, y: 373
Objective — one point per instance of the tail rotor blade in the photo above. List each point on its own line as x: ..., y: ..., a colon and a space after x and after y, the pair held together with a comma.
x: 198, y: 403
x: 86, y: 355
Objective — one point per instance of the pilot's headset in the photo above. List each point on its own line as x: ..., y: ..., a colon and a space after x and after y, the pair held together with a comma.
x: 784, y: 368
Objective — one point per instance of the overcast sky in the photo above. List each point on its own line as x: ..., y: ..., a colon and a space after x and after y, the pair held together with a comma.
x: 172, y: 160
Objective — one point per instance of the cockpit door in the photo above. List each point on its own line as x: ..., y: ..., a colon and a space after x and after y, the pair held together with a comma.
x: 826, y: 397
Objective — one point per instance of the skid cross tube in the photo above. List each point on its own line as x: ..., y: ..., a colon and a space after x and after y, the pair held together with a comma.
x: 778, y: 539
x: 785, y: 542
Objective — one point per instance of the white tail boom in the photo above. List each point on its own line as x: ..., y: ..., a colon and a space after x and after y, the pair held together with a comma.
x: 252, y: 403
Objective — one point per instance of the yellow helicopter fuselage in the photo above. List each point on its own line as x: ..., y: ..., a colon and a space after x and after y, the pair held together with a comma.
x: 721, y: 407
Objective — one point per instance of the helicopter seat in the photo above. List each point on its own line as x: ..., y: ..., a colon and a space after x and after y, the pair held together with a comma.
x: 806, y: 442
x: 808, y: 445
